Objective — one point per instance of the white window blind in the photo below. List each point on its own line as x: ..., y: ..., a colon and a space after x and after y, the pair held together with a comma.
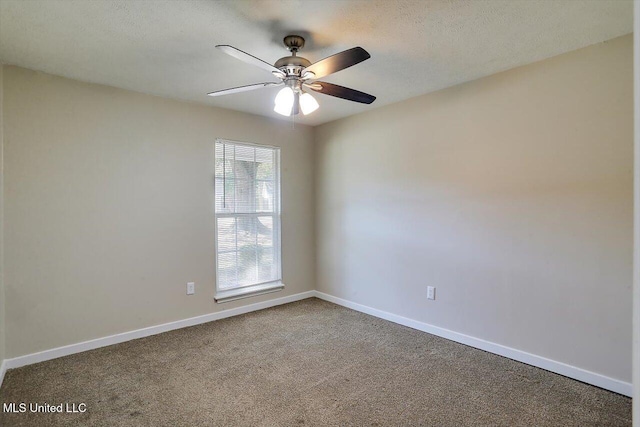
x: 247, y: 211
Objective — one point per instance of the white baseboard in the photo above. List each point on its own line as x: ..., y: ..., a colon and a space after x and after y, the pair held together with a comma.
x: 54, y: 353
x: 511, y: 353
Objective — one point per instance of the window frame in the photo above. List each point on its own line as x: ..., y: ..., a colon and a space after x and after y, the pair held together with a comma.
x: 255, y: 289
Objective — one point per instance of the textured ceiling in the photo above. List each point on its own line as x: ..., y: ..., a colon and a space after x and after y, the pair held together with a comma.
x: 166, y: 48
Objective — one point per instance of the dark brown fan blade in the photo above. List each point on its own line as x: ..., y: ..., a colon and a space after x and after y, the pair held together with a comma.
x: 249, y: 59
x: 341, y: 92
x: 243, y: 88
x: 337, y: 62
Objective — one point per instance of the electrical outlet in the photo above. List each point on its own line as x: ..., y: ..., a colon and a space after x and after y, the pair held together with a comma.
x: 431, y: 292
x: 191, y: 288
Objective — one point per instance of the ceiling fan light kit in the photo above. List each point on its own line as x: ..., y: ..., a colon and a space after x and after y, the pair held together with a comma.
x: 284, y: 101
x: 308, y: 103
x: 296, y: 74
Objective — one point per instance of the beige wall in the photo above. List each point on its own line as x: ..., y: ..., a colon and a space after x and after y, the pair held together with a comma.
x: 511, y: 194
x: 636, y: 284
x: 109, y: 208
x: 2, y: 295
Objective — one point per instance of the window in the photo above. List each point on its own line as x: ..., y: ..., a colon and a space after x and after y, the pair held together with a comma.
x: 247, y: 198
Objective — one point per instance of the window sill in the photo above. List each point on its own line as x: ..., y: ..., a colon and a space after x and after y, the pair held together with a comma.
x: 249, y: 291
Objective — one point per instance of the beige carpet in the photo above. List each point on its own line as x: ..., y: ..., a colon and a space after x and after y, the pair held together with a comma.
x: 306, y: 363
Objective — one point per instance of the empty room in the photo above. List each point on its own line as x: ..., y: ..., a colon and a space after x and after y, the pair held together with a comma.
x: 319, y: 212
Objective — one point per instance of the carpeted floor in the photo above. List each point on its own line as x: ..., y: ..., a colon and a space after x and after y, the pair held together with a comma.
x: 305, y: 363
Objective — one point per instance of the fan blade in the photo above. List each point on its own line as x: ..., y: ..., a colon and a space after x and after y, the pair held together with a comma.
x: 337, y: 62
x: 244, y: 88
x: 341, y: 92
x: 250, y: 59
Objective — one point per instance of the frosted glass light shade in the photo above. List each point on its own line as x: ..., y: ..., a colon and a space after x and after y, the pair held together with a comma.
x: 308, y: 104
x: 284, y: 101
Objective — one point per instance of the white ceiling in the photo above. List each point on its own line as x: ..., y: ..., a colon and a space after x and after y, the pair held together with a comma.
x: 166, y: 48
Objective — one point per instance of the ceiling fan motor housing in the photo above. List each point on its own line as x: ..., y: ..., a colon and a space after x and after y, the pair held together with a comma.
x: 293, y: 65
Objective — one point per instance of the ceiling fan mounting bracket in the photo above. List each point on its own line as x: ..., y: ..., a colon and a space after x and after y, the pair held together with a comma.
x: 294, y: 43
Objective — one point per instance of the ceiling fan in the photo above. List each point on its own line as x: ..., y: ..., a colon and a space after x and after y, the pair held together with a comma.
x: 298, y: 74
